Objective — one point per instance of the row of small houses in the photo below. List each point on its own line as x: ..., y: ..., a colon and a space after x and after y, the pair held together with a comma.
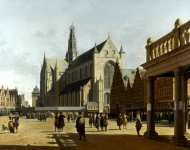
x: 9, y: 99
x: 128, y: 93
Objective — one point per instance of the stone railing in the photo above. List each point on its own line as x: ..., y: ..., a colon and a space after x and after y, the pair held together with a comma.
x: 178, y: 37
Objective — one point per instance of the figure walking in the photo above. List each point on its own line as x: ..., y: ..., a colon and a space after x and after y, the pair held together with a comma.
x: 124, y: 119
x: 90, y: 120
x: 56, y: 122
x: 11, y: 126
x: 80, y: 126
x: 61, y: 121
x: 105, y: 121
x: 16, y: 123
x: 97, y: 121
x: 119, y: 121
x: 138, y: 126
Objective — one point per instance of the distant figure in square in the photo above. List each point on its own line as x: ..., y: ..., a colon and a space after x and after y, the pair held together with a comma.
x: 56, y: 122
x: 61, y: 121
x: 68, y: 117
x: 16, y: 122
x: 105, y: 121
x: 119, y: 121
x: 102, y: 121
x: 124, y: 119
x: 80, y: 126
x: 138, y: 126
x: 97, y: 121
x: 90, y: 120
x: 11, y: 126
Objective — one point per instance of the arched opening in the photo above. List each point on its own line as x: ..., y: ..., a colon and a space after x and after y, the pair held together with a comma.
x: 108, y: 78
x: 108, y: 75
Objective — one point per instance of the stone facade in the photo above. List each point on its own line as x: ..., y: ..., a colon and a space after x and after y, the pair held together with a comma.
x: 51, y: 72
x: 8, y: 99
x: 87, y: 79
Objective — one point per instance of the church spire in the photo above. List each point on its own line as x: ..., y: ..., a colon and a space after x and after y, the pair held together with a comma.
x: 72, y: 46
x: 121, y: 50
x: 44, y: 61
x: 95, y: 49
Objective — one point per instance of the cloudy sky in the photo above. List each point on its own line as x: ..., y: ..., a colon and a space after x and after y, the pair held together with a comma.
x: 28, y: 28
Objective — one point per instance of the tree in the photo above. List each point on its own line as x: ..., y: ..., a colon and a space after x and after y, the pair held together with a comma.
x: 117, y: 91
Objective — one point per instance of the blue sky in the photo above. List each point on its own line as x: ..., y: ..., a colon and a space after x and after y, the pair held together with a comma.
x: 30, y: 27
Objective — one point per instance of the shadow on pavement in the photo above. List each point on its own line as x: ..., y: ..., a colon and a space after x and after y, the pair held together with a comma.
x: 124, y: 142
x: 28, y: 147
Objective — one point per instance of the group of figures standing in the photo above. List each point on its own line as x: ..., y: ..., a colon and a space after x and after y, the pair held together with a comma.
x: 59, y: 121
x: 13, y: 123
x: 99, y: 121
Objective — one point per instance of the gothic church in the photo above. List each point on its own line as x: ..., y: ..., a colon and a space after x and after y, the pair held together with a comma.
x: 80, y: 81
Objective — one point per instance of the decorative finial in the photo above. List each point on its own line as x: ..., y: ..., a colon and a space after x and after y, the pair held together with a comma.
x: 149, y: 41
x: 108, y: 36
x: 44, y: 58
x: 121, y: 50
x: 178, y: 22
x: 95, y: 48
x: 72, y: 27
x: 56, y: 64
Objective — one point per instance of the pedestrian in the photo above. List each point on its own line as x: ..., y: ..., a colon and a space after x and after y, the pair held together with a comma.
x: 61, y: 121
x: 56, y: 122
x: 119, y: 121
x: 11, y: 126
x: 94, y: 120
x: 125, y: 121
x: 68, y: 118
x: 90, y: 120
x: 16, y: 122
x: 138, y: 126
x: 80, y: 126
x: 101, y: 121
x: 105, y: 121
x: 97, y: 121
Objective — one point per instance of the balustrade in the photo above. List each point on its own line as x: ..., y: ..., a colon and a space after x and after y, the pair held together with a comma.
x: 178, y: 37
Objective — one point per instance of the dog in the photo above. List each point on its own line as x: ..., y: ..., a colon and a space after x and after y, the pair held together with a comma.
x: 4, y: 128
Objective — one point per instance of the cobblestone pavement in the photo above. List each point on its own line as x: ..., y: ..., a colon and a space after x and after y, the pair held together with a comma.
x: 36, y: 135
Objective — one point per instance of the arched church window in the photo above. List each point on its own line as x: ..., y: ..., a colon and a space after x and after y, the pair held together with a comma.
x: 108, y: 75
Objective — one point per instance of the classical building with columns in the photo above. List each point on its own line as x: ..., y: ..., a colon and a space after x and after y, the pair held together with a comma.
x: 85, y: 80
x: 169, y: 56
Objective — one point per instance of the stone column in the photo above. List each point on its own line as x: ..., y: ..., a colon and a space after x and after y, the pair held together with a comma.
x: 184, y: 99
x: 180, y: 92
x: 150, y: 133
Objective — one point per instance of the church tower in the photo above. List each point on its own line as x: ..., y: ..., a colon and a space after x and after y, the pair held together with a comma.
x: 43, y: 82
x: 72, y: 46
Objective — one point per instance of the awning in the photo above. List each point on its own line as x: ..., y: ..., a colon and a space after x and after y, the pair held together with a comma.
x: 63, y: 109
